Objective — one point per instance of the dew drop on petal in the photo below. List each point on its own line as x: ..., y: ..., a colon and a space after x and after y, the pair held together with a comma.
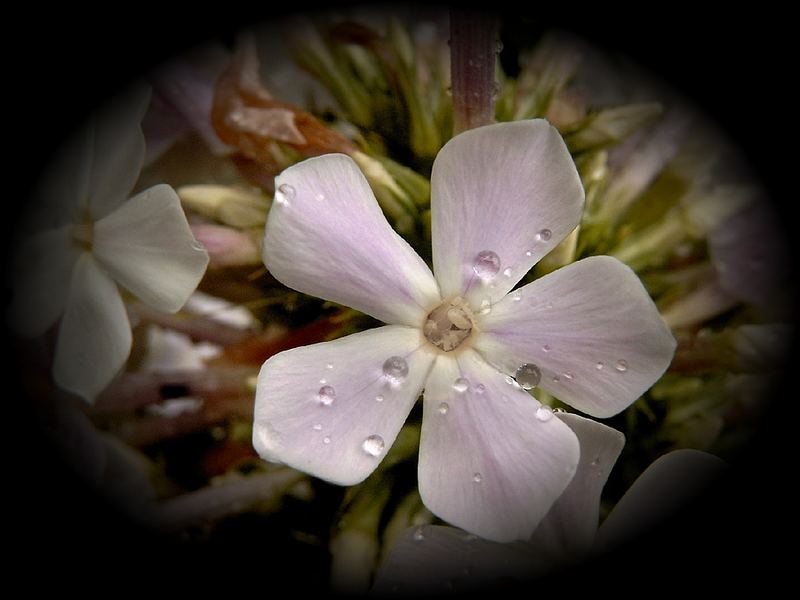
x: 569, y: 375
x: 528, y: 376
x: 544, y: 235
x: 544, y: 413
x: 373, y: 445
x: 461, y: 385
x: 379, y: 398
x: 419, y: 535
x: 546, y: 348
x: 480, y: 388
x: 528, y: 253
x: 507, y: 272
x: 329, y: 366
x: 477, y: 478
x: 318, y: 427
x: 326, y: 440
x: 599, y: 366
x: 621, y: 366
x: 198, y: 246
x: 323, y: 381
x: 510, y: 380
x: 516, y: 297
x: 326, y: 395
x: 443, y: 408
x: 395, y: 369
x: 285, y: 193
x: 486, y: 264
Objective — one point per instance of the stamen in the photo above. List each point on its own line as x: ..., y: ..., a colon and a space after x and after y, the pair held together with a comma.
x: 449, y: 324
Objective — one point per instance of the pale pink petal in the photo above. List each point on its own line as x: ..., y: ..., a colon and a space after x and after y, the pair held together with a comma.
x: 666, y: 486
x: 511, y: 189
x: 326, y: 236
x: 750, y: 252
x: 117, y: 150
x: 94, y: 339
x: 226, y: 246
x: 569, y: 528
x: 330, y: 410
x: 592, y: 330
x: 433, y: 560
x: 41, y: 278
x: 147, y: 247
x: 489, y: 461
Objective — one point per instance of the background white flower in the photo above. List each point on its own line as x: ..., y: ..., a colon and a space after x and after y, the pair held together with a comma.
x: 89, y: 238
x: 430, y: 559
x: 492, y: 460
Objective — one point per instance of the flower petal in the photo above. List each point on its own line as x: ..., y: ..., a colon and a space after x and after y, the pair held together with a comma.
x: 665, y: 487
x: 509, y: 188
x: 432, y: 559
x: 42, y: 273
x: 487, y: 464
x: 147, y: 247
x: 94, y: 339
x: 326, y: 236
x: 117, y: 150
x: 569, y: 528
x: 329, y: 410
x: 592, y: 330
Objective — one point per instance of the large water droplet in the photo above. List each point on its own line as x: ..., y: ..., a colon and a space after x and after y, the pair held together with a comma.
x: 544, y: 413
x: 326, y: 395
x: 621, y: 366
x: 477, y: 478
x: 373, y: 445
x: 395, y: 369
x: 443, y: 408
x: 486, y: 265
x: 544, y: 235
x: 461, y: 385
x: 528, y: 376
x: 285, y: 193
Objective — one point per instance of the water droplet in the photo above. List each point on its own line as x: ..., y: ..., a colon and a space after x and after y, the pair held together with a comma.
x: 319, y: 196
x: 544, y: 413
x: 379, y: 398
x: 510, y: 380
x: 373, y: 445
x: 443, y: 408
x: 198, y: 246
x: 621, y: 366
x: 559, y: 410
x: 461, y: 385
x: 326, y: 395
x: 486, y: 265
x: 528, y: 376
x: 516, y: 297
x: 395, y: 369
x: 477, y: 478
x: 528, y: 253
x: 323, y: 381
x: 480, y: 388
x: 556, y: 378
x: 596, y: 461
x: 287, y: 192
x: 544, y: 235
x: 329, y: 366
x: 546, y: 348
x: 419, y: 534
x: 569, y: 375
x: 599, y: 366
x: 507, y: 272
x: 317, y: 427
x: 326, y: 440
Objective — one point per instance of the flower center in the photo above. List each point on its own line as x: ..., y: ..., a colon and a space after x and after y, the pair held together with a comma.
x: 449, y: 324
x: 83, y: 234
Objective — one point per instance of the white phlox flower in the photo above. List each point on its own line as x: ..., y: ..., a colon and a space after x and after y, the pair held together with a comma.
x: 492, y: 460
x: 434, y: 559
x: 90, y: 238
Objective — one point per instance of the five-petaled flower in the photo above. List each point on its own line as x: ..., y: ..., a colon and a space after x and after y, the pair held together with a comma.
x: 492, y: 459
x: 89, y: 237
